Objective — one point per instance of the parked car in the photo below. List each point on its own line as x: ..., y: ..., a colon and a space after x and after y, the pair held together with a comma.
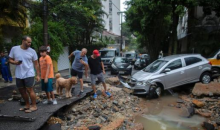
x: 131, y: 56
x: 214, y: 58
x: 121, y: 65
x: 169, y: 72
x: 140, y: 63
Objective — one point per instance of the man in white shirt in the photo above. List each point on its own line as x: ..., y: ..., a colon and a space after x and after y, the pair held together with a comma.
x: 25, y: 58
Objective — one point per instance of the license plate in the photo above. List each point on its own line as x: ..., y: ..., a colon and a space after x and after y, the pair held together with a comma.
x: 121, y: 72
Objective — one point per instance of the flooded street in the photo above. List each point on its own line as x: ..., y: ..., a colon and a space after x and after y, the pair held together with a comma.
x: 162, y: 114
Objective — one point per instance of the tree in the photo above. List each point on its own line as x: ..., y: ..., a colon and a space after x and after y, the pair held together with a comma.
x: 150, y: 20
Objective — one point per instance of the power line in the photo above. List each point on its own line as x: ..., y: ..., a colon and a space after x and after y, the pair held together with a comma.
x: 115, y: 6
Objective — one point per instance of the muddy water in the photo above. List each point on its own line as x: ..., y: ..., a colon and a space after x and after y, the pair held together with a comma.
x: 163, y: 115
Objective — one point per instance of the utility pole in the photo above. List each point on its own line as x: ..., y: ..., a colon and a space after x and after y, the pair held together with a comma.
x: 45, y: 26
x: 121, y: 13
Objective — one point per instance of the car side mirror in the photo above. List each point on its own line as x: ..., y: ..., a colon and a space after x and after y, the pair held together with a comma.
x: 167, y: 70
x: 218, y: 57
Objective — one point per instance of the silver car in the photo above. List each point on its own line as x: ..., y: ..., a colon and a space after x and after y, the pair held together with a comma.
x: 169, y: 72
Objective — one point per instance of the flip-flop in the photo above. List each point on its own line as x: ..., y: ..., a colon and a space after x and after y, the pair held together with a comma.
x: 23, y: 109
x: 29, y: 110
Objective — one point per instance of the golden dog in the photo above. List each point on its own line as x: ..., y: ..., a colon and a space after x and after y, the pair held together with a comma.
x: 65, y: 83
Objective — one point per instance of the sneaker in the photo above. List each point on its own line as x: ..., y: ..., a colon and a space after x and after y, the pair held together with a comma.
x: 80, y: 93
x: 48, y: 102
x: 95, y: 96
x: 45, y: 102
x: 54, y: 102
x: 108, y: 94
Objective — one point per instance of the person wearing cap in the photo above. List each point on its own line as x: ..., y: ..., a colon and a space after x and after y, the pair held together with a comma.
x: 79, y: 62
x: 47, y: 75
x: 96, y: 72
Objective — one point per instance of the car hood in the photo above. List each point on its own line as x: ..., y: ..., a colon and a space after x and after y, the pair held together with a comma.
x: 142, y: 76
x: 121, y: 65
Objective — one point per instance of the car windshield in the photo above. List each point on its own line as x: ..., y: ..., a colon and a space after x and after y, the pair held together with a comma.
x: 213, y: 54
x: 120, y: 60
x: 130, y: 55
x: 107, y: 53
x: 155, y: 66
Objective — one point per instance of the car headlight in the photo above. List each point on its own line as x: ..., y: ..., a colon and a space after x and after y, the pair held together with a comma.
x: 113, y: 66
x: 129, y: 66
x: 144, y: 83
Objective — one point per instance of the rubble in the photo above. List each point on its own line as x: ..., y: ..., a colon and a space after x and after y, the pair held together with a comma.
x: 210, y: 89
x: 112, y: 81
x: 198, y: 103
x: 113, y: 113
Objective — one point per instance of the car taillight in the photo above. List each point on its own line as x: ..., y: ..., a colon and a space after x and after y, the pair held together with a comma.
x: 210, y: 62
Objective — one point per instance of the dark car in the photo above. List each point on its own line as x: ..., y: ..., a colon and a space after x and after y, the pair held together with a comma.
x: 140, y: 63
x: 121, y: 65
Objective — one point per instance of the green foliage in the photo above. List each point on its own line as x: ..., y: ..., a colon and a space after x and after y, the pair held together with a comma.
x: 56, y: 37
x: 149, y: 20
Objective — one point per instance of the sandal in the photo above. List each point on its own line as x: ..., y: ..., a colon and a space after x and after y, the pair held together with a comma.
x: 31, y: 110
x: 24, y: 109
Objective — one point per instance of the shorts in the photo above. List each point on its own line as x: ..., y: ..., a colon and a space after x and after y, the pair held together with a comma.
x: 99, y: 76
x: 76, y: 73
x: 27, y: 82
x: 47, y: 87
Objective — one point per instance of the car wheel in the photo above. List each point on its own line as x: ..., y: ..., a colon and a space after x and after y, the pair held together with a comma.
x: 135, y: 67
x: 155, y: 91
x: 205, y: 78
x: 112, y: 73
x: 215, y: 70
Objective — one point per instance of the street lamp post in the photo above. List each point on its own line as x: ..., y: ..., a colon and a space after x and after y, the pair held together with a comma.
x: 45, y: 26
x: 121, y: 13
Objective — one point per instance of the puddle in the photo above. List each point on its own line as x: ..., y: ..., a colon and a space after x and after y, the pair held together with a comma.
x: 161, y: 116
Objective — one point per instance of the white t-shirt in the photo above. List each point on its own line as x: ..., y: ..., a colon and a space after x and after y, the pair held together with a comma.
x: 26, y: 68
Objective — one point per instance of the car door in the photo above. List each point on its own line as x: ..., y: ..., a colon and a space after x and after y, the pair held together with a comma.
x: 176, y: 76
x: 193, y: 68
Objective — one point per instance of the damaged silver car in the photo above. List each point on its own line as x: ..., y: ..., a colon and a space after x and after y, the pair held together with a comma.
x: 169, y: 72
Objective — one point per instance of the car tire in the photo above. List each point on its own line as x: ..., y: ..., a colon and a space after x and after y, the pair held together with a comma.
x: 205, y: 78
x: 155, y: 91
x: 112, y: 73
x: 215, y: 71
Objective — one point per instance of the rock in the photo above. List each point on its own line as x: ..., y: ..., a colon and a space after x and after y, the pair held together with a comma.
x: 208, y: 126
x: 54, y: 120
x: 112, y: 81
x: 210, y: 89
x: 178, y: 106
x: 138, y: 126
x: 99, y: 92
x: 10, y: 99
x: 68, y: 118
x: 180, y: 101
x: 115, y: 109
x: 198, y: 103
x: 98, y: 120
x: 218, y: 123
x: 187, y: 112
x: 204, y: 114
x: 115, y: 102
x: 14, y: 92
x: 74, y: 110
x: 129, y: 91
x: 95, y: 127
x: 96, y: 115
x: 16, y: 97
x: 102, y: 118
x: 171, y: 105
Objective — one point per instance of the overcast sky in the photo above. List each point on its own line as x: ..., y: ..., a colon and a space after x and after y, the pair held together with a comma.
x: 122, y: 5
